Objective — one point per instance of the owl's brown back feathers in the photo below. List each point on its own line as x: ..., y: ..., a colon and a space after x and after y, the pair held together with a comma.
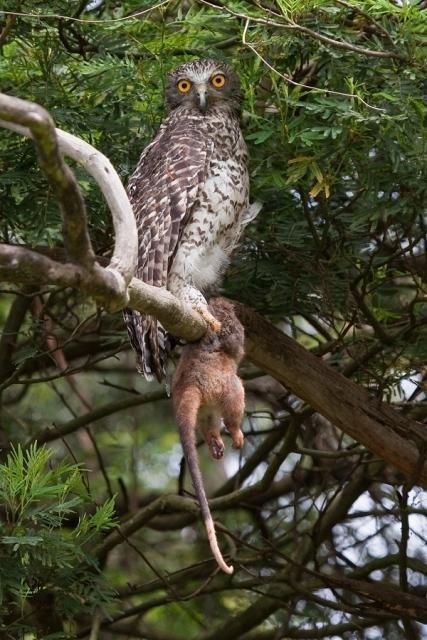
x: 162, y: 192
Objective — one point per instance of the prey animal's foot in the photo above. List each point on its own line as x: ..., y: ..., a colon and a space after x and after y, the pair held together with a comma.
x: 211, y: 321
x: 216, y: 446
x: 238, y: 439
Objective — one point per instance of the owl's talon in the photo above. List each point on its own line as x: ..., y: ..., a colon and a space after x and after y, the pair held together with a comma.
x: 210, y: 320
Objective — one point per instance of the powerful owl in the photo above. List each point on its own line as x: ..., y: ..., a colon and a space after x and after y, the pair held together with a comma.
x: 189, y: 193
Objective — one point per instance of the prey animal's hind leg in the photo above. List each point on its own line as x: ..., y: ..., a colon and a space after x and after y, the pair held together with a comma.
x: 209, y: 421
x: 233, y: 407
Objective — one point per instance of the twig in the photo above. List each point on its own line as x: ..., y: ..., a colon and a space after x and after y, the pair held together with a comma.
x: 58, y: 16
x: 411, y: 633
x: 50, y: 434
x: 96, y: 624
x: 289, y: 80
x: 156, y: 507
x: 371, y: 19
x: 293, y: 26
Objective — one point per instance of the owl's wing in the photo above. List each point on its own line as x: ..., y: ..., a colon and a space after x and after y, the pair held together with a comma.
x: 162, y: 191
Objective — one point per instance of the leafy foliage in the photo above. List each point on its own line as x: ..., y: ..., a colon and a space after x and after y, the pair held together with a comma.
x: 36, y: 548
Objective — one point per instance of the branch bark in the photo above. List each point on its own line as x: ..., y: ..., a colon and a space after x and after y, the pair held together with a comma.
x: 393, y: 437
x: 24, y: 266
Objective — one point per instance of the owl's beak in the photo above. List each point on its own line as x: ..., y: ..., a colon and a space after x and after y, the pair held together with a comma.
x: 202, y: 101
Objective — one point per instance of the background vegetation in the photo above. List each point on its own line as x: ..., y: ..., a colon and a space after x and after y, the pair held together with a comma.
x: 328, y: 541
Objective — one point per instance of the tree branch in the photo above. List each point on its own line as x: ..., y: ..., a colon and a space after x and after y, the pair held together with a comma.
x: 39, y: 126
x: 52, y: 433
x: 24, y: 266
x: 158, y: 506
x: 293, y: 26
x: 59, y: 175
x: 395, y: 438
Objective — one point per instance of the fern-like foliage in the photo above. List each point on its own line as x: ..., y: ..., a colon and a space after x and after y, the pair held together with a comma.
x: 41, y: 555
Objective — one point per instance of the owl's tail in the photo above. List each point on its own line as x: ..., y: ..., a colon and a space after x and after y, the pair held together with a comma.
x: 149, y: 341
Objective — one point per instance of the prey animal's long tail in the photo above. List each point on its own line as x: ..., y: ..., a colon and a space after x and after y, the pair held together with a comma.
x: 186, y: 408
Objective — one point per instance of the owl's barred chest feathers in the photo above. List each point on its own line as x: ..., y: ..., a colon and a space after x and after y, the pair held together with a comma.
x: 215, y: 219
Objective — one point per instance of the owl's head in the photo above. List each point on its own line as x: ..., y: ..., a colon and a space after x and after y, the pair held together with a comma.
x: 202, y: 84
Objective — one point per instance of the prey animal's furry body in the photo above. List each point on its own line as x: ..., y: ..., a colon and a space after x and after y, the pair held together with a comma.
x: 206, y: 390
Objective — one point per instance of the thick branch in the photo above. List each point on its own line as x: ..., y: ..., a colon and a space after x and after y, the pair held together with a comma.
x: 23, y: 266
x: 395, y: 438
x: 125, y: 252
x: 178, y: 318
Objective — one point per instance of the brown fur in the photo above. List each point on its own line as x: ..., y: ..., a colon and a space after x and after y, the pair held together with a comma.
x: 206, y: 388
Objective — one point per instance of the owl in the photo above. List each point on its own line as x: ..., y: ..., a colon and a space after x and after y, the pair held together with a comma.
x: 189, y: 194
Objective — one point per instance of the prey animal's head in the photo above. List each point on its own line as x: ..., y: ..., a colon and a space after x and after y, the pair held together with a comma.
x: 203, y: 84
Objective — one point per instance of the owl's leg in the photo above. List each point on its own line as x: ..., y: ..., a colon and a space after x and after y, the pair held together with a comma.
x: 192, y: 296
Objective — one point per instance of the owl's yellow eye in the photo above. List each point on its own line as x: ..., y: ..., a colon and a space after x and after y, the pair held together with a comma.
x: 218, y: 80
x: 184, y: 86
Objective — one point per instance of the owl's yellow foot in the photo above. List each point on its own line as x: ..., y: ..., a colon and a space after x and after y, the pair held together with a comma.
x: 210, y: 320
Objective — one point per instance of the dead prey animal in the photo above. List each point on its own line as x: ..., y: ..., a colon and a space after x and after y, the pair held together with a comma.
x: 206, y: 390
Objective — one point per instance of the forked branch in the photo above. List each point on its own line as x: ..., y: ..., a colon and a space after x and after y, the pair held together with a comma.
x: 31, y: 120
